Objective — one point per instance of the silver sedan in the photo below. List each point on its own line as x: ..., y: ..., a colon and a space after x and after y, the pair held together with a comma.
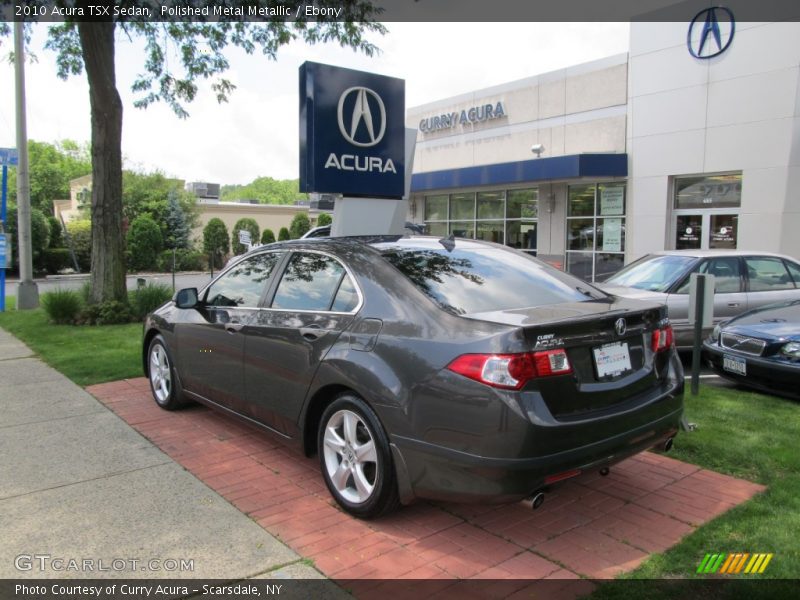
x: 742, y: 280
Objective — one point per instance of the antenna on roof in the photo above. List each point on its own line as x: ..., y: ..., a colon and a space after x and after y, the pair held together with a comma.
x: 449, y: 243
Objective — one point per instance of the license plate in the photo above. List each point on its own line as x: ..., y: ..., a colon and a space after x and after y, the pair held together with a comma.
x: 612, y: 359
x: 734, y: 364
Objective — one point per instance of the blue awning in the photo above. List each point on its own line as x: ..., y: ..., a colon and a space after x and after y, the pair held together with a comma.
x: 571, y: 166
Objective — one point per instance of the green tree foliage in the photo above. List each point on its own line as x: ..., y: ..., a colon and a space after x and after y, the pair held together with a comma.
x: 80, y: 233
x: 144, y: 243
x: 266, y: 190
x: 51, y: 167
x: 247, y: 224
x: 283, y: 235
x: 177, y: 56
x: 299, y: 226
x: 56, y: 234
x: 267, y: 236
x: 324, y: 219
x: 40, y: 233
x: 177, y: 234
x: 216, y: 241
x: 149, y: 193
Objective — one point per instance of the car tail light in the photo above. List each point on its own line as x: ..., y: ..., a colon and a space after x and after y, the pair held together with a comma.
x: 511, y: 371
x: 662, y: 339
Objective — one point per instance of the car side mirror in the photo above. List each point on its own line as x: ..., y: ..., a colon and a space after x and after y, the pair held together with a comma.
x: 186, y: 298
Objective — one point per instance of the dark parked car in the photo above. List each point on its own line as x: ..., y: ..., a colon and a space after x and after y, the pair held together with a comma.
x: 422, y: 368
x: 760, y: 349
x: 742, y: 280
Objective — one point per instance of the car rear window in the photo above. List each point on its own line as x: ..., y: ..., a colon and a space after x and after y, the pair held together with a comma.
x: 486, y: 279
x: 653, y: 273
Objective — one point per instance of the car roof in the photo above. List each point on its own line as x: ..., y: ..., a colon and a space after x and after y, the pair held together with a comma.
x: 707, y: 253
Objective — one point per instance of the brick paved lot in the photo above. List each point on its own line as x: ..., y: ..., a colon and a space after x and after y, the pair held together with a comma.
x: 592, y: 526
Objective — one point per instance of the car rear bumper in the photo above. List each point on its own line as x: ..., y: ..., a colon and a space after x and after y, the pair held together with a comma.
x: 438, y: 473
x: 762, y: 374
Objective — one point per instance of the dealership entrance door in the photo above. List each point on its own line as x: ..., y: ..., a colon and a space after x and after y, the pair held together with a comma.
x: 706, y: 212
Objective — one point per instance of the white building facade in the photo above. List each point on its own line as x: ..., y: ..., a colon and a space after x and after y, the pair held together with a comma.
x: 593, y: 166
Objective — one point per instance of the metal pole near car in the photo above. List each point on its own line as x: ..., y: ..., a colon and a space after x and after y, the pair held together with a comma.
x: 27, y: 292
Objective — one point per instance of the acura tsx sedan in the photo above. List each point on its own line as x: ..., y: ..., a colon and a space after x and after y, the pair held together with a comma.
x: 418, y: 367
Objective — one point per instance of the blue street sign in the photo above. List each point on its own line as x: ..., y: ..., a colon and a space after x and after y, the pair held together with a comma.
x: 5, y: 255
x: 9, y: 157
x: 352, y: 132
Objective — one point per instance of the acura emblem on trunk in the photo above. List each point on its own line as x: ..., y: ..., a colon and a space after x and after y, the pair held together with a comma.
x: 620, y: 326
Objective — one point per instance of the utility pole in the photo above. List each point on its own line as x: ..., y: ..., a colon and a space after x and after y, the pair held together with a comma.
x: 27, y: 292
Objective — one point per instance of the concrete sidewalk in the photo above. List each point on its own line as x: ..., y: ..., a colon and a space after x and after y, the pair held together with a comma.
x: 77, y: 482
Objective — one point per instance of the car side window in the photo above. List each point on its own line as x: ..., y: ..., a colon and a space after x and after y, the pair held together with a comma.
x: 794, y: 271
x: 244, y: 284
x: 312, y: 282
x: 767, y: 274
x: 347, y: 297
x: 726, y: 271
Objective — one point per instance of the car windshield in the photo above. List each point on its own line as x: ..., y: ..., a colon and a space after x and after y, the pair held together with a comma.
x: 653, y: 273
x: 475, y: 280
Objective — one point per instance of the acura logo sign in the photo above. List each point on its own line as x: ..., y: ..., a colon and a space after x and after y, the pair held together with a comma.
x: 374, y: 125
x: 621, y: 326
x: 710, y: 32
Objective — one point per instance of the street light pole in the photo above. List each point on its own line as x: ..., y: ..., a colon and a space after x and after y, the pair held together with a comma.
x: 27, y: 292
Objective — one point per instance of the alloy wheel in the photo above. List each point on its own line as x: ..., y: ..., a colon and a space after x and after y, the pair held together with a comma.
x: 160, y: 373
x: 350, y: 456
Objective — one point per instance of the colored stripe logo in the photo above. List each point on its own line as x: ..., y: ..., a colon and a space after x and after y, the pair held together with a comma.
x: 732, y: 564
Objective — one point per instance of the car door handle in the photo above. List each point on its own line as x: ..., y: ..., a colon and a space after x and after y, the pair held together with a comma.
x: 314, y: 332
x: 233, y: 327
x: 733, y: 304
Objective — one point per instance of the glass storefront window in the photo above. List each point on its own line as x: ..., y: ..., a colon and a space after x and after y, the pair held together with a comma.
x: 714, y: 191
x: 522, y: 235
x: 581, y: 200
x: 490, y: 231
x: 522, y: 204
x: 580, y: 234
x: 491, y: 205
x: 689, y: 232
x: 462, y: 207
x: 595, y: 230
x: 437, y: 229
x: 436, y: 208
x: 463, y: 229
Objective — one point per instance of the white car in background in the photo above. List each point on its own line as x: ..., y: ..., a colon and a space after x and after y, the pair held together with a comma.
x: 742, y: 280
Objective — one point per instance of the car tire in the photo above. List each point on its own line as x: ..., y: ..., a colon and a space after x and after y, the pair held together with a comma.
x: 162, y: 376
x: 355, y: 458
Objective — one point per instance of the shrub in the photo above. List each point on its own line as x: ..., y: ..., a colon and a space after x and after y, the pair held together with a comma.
x: 62, y: 306
x: 40, y: 232
x: 146, y: 299
x: 185, y: 260
x: 56, y: 234
x: 324, y: 219
x: 80, y: 233
x: 247, y: 224
x: 283, y: 235
x: 216, y: 241
x: 144, y: 243
x: 267, y: 236
x: 112, y: 312
x: 86, y: 291
x: 56, y: 259
x: 299, y: 226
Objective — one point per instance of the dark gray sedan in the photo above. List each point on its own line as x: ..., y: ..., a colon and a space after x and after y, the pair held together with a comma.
x: 422, y: 368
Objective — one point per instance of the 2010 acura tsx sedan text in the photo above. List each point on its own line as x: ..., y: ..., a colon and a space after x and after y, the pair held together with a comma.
x: 422, y: 368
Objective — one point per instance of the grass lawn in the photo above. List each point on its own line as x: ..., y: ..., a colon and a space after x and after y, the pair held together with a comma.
x: 748, y: 435
x: 86, y: 354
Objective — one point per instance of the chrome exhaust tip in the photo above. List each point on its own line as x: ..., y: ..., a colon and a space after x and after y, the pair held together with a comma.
x: 536, y: 500
x: 667, y: 445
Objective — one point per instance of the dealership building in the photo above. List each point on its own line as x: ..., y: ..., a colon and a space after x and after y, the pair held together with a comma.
x: 691, y: 140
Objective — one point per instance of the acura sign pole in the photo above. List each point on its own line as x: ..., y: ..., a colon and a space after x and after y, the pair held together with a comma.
x: 27, y: 292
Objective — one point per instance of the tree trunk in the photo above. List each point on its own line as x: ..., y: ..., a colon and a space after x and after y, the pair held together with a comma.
x: 108, y: 245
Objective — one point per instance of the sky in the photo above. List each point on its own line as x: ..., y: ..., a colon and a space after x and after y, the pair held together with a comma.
x: 255, y: 134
